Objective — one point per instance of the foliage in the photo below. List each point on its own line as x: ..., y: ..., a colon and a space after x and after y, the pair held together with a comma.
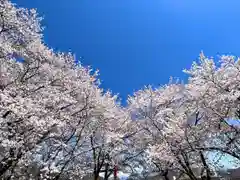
x: 56, y: 122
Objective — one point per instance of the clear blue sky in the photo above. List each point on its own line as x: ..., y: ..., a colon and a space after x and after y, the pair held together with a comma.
x: 140, y: 42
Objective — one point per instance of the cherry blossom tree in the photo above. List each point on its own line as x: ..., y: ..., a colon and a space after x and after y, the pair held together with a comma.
x: 56, y: 122
x: 171, y: 124
x: 214, y: 87
x: 50, y: 106
x: 185, y: 122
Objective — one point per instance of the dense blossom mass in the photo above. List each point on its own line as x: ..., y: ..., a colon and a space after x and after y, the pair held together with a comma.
x: 57, y: 123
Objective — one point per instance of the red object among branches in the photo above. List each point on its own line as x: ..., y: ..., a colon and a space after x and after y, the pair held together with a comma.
x: 115, y: 171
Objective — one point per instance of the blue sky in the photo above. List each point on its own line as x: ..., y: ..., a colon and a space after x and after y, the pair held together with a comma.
x: 139, y: 42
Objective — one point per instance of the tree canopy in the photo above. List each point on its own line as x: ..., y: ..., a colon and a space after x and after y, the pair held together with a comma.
x: 57, y: 123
